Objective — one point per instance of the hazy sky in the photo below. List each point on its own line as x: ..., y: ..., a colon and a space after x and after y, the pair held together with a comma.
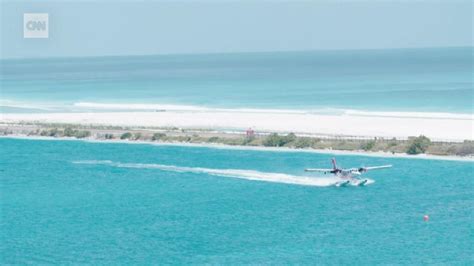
x: 96, y: 28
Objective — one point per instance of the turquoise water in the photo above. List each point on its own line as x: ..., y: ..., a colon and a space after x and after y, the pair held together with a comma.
x: 69, y: 202
x: 420, y: 80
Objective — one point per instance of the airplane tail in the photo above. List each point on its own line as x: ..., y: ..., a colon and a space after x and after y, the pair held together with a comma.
x: 334, y: 165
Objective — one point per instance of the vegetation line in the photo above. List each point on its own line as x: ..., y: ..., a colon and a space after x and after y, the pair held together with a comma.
x: 414, y: 145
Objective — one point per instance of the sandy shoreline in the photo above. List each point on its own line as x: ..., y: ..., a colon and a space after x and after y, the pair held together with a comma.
x: 436, y: 128
x: 259, y: 148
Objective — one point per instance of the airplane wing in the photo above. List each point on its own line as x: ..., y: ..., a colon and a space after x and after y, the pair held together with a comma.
x: 364, y: 169
x: 318, y: 170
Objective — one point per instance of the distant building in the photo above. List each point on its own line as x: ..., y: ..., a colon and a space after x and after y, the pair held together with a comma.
x: 250, y: 133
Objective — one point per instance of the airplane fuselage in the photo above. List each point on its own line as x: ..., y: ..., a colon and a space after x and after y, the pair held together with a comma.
x: 345, y: 173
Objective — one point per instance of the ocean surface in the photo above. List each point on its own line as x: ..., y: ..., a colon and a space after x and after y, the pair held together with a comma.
x: 68, y: 202
x: 407, y: 80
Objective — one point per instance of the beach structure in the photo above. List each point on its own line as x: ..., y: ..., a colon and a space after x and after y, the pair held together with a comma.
x: 249, y: 133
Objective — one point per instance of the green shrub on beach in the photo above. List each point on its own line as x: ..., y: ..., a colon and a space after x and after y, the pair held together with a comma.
x: 68, y: 132
x: 418, y: 145
x: 392, y: 143
x: 289, y: 138
x: 80, y: 134
x: 367, y: 146
x: 137, y: 136
x: 247, y: 140
x: 213, y: 139
x: 467, y: 148
x: 54, y: 132
x: 275, y: 140
x: 303, y: 142
x: 126, y: 135
x: 184, y: 138
x: 158, y: 136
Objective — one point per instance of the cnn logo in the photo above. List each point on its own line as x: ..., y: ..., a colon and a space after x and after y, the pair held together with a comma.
x: 35, y: 25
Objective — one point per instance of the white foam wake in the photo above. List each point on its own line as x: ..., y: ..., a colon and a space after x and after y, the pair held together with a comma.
x: 234, y: 173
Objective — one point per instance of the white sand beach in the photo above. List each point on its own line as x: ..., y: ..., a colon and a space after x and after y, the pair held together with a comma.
x: 387, y: 125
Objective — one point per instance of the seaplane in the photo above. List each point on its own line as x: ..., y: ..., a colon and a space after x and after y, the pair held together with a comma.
x: 349, y: 176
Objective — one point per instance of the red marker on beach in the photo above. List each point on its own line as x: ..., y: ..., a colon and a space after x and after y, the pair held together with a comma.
x: 426, y: 218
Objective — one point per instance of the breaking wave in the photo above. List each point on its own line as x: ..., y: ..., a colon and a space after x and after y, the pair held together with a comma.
x: 234, y: 173
x: 321, y: 111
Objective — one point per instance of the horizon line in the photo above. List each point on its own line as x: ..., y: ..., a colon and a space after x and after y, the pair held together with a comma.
x: 230, y: 53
